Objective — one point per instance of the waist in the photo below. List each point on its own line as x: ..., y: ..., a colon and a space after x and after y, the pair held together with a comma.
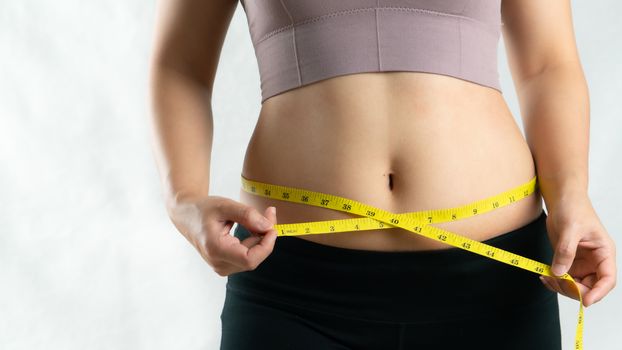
x: 393, y: 155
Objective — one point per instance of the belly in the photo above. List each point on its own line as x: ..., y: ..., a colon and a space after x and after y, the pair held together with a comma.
x: 399, y: 141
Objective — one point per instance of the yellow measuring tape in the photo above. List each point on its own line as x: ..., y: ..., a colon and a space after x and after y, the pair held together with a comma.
x: 415, y: 222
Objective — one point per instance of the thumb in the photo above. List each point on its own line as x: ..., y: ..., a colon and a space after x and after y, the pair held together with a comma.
x: 270, y: 213
x: 565, y: 252
x: 247, y: 216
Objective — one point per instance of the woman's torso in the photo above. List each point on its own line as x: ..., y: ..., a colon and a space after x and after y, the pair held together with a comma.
x: 446, y: 142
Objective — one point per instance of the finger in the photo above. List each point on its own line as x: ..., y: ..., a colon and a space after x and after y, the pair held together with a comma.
x: 601, y: 288
x: 551, y: 282
x: 571, y: 289
x: 251, y: 240
x: 270, y: 213
x: 568, y: 288
x: 546, y: 284
x: 226, y: 269
x: 220, y: 252
x: 589, y: 280
x: 247, y: 254
x: 562, y: 286
x: 606, y: 281
x: 555, y: 284
x: 235, y: 252
x: 254, y: 249
x: 261, y: 250
x: 565, y: 251
x: 244, y: 214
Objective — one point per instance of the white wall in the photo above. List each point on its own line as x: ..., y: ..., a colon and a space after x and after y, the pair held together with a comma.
x: 88, y: 257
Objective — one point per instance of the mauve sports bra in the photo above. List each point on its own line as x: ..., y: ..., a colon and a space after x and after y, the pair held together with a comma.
x: 298, y: 42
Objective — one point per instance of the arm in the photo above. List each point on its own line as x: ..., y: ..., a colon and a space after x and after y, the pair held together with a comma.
x: 552, y: 93
x: 183, y: 64
x: 188, y: 41
x: 554, y: 104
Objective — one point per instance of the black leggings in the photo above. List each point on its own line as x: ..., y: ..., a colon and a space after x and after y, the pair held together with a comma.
x: 310, y: 296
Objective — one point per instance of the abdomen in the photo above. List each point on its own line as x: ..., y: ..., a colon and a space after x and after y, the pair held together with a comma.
x: 399, y: 141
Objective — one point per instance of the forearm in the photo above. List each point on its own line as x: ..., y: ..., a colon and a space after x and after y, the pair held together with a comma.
x: 182, y: 127
x: 555, y: 113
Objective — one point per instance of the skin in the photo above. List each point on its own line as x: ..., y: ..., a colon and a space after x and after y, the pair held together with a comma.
x: 435, y: 151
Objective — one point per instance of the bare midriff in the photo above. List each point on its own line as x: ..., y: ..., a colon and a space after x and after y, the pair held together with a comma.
x: 399, y: 141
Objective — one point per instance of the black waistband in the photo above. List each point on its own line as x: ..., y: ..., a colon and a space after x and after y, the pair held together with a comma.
x: 406, y: 286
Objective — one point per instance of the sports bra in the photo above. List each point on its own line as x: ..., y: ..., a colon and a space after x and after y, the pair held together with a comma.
x: 299, y: 42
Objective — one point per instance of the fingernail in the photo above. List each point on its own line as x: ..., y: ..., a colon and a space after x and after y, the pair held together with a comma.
x: 273, y: 210
x: 558, y: 269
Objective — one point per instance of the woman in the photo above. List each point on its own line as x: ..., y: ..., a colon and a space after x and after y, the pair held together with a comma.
x: 395, y: 104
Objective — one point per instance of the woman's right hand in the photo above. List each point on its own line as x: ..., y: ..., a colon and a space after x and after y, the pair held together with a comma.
x: 206, y: 224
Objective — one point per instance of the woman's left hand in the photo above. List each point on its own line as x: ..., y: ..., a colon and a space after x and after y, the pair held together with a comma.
x: 583, y: 248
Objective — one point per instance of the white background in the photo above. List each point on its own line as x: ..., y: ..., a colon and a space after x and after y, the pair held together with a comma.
x: 88, y: 256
